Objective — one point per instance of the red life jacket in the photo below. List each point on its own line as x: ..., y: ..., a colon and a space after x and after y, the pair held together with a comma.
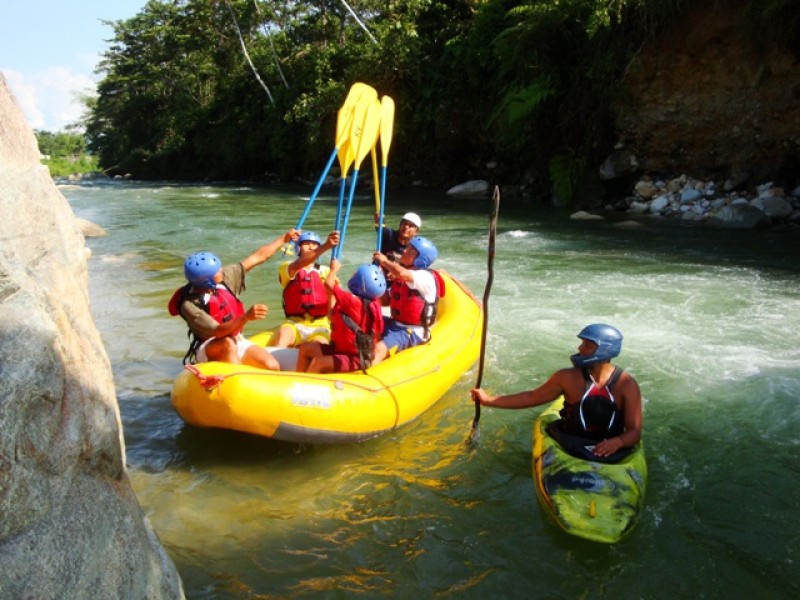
x: 343, y: 335
x: 221, y: 304
x: 409, y: 307
x: 305, y: 294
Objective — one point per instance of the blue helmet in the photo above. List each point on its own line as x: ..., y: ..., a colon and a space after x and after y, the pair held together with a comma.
x: 367, y: 282
x: 608, y: 340
x: 309, y: 236
x: 200, y: 268
x: 426, y: 252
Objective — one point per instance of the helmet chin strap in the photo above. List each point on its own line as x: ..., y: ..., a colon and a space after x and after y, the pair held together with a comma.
x: 588, y: 361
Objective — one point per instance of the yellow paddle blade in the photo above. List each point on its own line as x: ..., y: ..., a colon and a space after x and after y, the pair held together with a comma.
x: 366, y: 123
x: 344, y: 122
x: 344, y: 119
x: 357, y: 90
x: 346, y: 157
x: 387, y: 127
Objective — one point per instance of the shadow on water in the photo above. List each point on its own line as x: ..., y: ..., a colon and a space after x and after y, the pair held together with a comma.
x: 201, y: 447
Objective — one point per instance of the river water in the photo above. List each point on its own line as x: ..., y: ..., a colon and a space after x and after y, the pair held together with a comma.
x: 710, y: 319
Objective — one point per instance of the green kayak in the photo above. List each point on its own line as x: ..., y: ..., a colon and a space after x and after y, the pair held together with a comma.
x: 592, y: 499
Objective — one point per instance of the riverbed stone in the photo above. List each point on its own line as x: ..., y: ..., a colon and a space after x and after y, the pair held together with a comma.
x: 476, y: 187
x: 71, y: 525
x: 645, y: 189
x: 775, y: 207
x: 737, y: 216
x: 582, y: 215
x: 620, y: 163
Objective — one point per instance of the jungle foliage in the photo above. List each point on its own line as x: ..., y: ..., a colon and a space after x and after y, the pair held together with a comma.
x: 65, y: 152
x: 232, y: 89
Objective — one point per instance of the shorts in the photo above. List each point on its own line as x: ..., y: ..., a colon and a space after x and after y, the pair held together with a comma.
x: 306, y: 328
x: 342, y: 363
x: 398, y: 336
x: 242, y: 344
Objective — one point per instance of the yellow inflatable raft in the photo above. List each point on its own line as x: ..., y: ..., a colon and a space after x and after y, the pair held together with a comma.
x: 337, y: 407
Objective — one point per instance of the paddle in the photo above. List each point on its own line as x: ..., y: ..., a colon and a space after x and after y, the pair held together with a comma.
x: 344, y: 121
x: 486, y: 291
x: 364, y: 133
x: 387, y: 128
x: 346, y: 157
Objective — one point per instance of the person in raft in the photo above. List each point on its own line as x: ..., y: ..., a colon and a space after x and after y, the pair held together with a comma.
x: 394, y: 241
x: 356, y: 324
x: 305, y: 300
x: 413, y: 297
x: 210, y: 305
x: 602, y: 403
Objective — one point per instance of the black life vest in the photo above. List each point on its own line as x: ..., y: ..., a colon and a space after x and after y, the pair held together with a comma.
x: 597, y: 416
x: 570, y: 432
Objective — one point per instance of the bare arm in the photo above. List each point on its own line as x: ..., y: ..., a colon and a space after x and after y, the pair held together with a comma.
x: 267, y: 251
x: 631, y: 398
x: 395, y: 270
x: 331, y: 279
x: 205, y: 326
x: 547, y: 392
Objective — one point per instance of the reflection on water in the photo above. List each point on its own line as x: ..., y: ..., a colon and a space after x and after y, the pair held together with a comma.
x: 709, y: 319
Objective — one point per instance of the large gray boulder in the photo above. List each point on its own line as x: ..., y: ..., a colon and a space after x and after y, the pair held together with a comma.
x: 70, y: 524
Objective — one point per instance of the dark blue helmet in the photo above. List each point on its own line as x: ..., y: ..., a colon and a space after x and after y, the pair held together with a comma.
x: 426, y: 252
x: 608, y: 340
x: 367, y: 282
x: 200, y: 268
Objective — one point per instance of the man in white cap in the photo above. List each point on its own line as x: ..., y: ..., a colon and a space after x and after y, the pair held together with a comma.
x: 393, y: 242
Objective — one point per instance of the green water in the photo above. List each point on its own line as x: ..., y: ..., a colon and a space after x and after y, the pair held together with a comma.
x: 710, y: 321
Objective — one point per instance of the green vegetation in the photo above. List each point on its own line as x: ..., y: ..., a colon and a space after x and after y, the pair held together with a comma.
x: 65, y: 153
x: 229, y: 89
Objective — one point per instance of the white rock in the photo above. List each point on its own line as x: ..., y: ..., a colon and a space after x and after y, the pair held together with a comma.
x: 645, y: 189
x: 585, y: 216
x: 689, y: 195
x: 659, y: 203
x: 476, y: 187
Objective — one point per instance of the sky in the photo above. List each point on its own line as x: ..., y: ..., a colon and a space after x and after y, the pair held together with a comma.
x: 49, y: 50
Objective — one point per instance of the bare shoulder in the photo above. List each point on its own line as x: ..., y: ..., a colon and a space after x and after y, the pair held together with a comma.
x: 567, y: 376
x: 628, y: 385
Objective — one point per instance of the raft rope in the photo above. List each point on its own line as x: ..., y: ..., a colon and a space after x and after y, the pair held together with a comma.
x: 209, y: 382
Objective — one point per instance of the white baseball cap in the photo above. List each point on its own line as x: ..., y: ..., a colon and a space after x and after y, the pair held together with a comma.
x: 413, y: 218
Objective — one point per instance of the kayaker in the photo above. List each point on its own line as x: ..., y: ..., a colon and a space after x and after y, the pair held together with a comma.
x: 210, y: 305
x: 356, y: 324
x: 394, y: 241
x: 413, y: 297
x: 305, y: 299
x: 601, y: 402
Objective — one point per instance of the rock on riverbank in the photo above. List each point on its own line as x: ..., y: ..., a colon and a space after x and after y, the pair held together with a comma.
x: 690, y: 200
x: 71, y: 525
